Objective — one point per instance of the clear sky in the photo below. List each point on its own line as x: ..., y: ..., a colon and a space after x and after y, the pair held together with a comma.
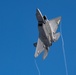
x: 18, y: 32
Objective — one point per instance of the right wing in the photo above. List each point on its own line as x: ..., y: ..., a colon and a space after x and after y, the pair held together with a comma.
x: 39, y: 48
x: 54, y: 24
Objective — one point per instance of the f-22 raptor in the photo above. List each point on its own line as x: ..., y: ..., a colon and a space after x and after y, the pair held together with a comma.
x: 47, y: 33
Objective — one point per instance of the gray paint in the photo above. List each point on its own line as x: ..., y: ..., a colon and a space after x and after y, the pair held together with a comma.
x: 47, y: 33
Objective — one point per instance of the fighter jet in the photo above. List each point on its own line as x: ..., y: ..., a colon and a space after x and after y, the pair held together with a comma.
x: 47, y: 33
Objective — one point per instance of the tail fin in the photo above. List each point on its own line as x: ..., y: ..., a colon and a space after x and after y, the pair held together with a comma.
x: 56, y: 36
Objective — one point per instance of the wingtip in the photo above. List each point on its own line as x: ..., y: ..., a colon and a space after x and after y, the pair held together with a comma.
x: 58, y: 19
x: 36, y: 54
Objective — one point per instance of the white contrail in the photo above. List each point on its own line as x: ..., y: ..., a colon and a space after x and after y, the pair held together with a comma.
x: 63, y: 50
x: 37, y: 67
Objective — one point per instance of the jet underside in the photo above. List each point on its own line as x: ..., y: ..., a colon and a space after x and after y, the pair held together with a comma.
x: 47, y: 33
x: 44, y: 36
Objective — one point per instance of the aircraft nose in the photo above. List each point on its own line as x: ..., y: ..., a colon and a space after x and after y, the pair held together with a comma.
x: 37, y: 9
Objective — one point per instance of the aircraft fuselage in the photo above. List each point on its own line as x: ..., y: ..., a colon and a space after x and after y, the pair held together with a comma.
x: 45, y: 34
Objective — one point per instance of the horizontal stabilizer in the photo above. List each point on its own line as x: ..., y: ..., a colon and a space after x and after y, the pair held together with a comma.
x: 45, y: 53
x: 56, y: 36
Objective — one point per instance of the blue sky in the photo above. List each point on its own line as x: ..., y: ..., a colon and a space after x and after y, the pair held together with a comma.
x: 18, y: 32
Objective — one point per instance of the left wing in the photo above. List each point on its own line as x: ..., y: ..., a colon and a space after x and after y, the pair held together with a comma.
x: 54, y: 24
x: 39, y: 47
